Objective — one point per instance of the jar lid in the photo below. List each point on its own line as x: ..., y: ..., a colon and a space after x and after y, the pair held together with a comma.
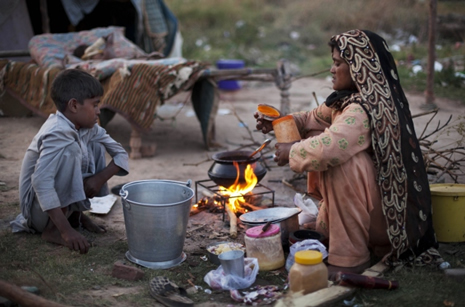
x: 268, y: 111
x: 447, y: 189
x: 256, y: 231
x: 308, y: 257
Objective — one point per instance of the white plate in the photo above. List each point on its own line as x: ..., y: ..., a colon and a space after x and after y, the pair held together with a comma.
x: 275, y: 214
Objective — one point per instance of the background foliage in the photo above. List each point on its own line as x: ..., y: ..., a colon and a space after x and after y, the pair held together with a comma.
x: 260, y: 32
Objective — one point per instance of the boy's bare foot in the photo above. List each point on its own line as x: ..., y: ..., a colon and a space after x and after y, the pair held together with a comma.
x: 79, y: 218
x: 52, y: 234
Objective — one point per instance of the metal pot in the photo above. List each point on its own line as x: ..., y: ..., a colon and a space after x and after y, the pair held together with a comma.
x: 224, y: 173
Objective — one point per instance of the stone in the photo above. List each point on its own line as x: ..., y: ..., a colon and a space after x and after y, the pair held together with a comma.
x: 127, y: 272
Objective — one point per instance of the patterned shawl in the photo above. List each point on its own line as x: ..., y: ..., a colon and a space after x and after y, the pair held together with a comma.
x: 401, y: 173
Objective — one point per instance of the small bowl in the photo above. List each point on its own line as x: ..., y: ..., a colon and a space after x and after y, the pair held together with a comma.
x: 214, y: 257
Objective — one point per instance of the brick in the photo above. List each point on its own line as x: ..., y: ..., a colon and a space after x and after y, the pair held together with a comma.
x: 127, y: 272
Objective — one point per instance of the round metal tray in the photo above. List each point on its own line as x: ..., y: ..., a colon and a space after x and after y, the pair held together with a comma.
x: 157, y: 265
x: 274, y: 215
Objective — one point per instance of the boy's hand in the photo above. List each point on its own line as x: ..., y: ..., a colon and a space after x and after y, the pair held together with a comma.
x: 93, y: 185
x: 75, y: 241
x: 60, y: 231
x: 263, y: 124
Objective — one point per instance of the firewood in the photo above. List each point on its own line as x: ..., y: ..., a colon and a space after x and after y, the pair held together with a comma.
x: 232, y: 222
x: 251, y: 207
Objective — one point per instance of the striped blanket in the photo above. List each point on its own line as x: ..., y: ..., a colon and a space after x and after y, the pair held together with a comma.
x: 135, y: 93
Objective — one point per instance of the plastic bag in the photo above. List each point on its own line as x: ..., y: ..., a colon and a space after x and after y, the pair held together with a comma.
x: 218, y: 280
x: 304, y: 245
x: 309, y: 209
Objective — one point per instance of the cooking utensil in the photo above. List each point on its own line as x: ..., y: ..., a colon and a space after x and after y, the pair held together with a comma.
x: 213, y: 254
x: 266, y: 226
x: 273, y: 215
x: 267, y: 141
x: 224, y: 173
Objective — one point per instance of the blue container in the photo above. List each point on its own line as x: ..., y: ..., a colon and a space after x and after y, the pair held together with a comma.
x: 229, y: 85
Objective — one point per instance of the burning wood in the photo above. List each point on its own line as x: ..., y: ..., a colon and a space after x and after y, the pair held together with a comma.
x: 207, y: 204
x: 235, y: 200
x: 249, y: 207
x: 232, y: 222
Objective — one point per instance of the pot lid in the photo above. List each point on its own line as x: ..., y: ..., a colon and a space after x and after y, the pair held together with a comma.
x: 274, y: 215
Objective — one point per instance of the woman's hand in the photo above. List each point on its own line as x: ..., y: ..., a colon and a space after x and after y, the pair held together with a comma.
x: 263, y: 124
x: 282, y: 153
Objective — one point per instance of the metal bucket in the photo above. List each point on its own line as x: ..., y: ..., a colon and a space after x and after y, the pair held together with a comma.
x: 156, y: 213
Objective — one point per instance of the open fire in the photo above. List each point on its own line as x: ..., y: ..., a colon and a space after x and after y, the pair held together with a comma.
x: 236, y: 191
x: 234, y: 194
x: 235, y: 200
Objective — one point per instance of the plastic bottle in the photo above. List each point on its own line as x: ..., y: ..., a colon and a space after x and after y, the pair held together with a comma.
x: 308, y: 273
x: 265, y: 246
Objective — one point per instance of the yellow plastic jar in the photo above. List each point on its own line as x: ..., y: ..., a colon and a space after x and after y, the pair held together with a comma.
x: 308, y: 273
x: 266, y: 246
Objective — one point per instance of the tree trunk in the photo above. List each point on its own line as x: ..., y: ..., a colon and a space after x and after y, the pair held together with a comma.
x: 431, y: 56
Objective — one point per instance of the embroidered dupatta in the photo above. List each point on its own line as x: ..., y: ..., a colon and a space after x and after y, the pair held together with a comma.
x: 401, y: 173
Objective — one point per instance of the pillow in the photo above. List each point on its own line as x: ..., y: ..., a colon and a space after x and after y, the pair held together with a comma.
x: 51, y: 50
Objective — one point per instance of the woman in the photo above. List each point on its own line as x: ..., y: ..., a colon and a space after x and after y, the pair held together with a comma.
x: 364, y: 161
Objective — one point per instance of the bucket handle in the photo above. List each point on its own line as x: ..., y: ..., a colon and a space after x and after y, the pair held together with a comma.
x: 188, y: 183
x: 124, y: 195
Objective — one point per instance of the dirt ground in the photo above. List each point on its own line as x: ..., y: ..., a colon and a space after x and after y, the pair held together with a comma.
x: 181, y: 155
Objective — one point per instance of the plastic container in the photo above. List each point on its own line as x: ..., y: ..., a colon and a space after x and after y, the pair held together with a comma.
x: 265, y: 246
x: 448, y: 201
x: 286, y: 130
x: 308, y: 273
x: 229, y: 85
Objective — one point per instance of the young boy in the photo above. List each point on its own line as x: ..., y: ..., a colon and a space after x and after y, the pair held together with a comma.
x: 65, y: 164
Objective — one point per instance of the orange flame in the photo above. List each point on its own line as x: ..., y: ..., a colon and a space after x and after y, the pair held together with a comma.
x: 236, y: 190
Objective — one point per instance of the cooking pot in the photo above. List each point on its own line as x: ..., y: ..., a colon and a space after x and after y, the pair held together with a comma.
x: 224, y: 173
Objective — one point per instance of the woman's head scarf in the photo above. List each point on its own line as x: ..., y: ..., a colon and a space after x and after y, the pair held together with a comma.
x: 401, y: 172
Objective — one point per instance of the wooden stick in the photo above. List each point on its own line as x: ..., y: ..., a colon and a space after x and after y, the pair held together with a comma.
x: 251, y: 207
x: 232, y: 222
x: 14, y: 53
x: 24, y: 298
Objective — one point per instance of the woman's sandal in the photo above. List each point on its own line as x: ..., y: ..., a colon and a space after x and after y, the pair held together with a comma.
x: 168, y: 293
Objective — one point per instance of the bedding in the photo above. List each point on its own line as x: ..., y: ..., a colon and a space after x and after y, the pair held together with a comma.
x: 135, y: 85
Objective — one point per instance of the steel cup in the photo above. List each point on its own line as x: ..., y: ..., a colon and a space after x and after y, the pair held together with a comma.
x: 233, y: 262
